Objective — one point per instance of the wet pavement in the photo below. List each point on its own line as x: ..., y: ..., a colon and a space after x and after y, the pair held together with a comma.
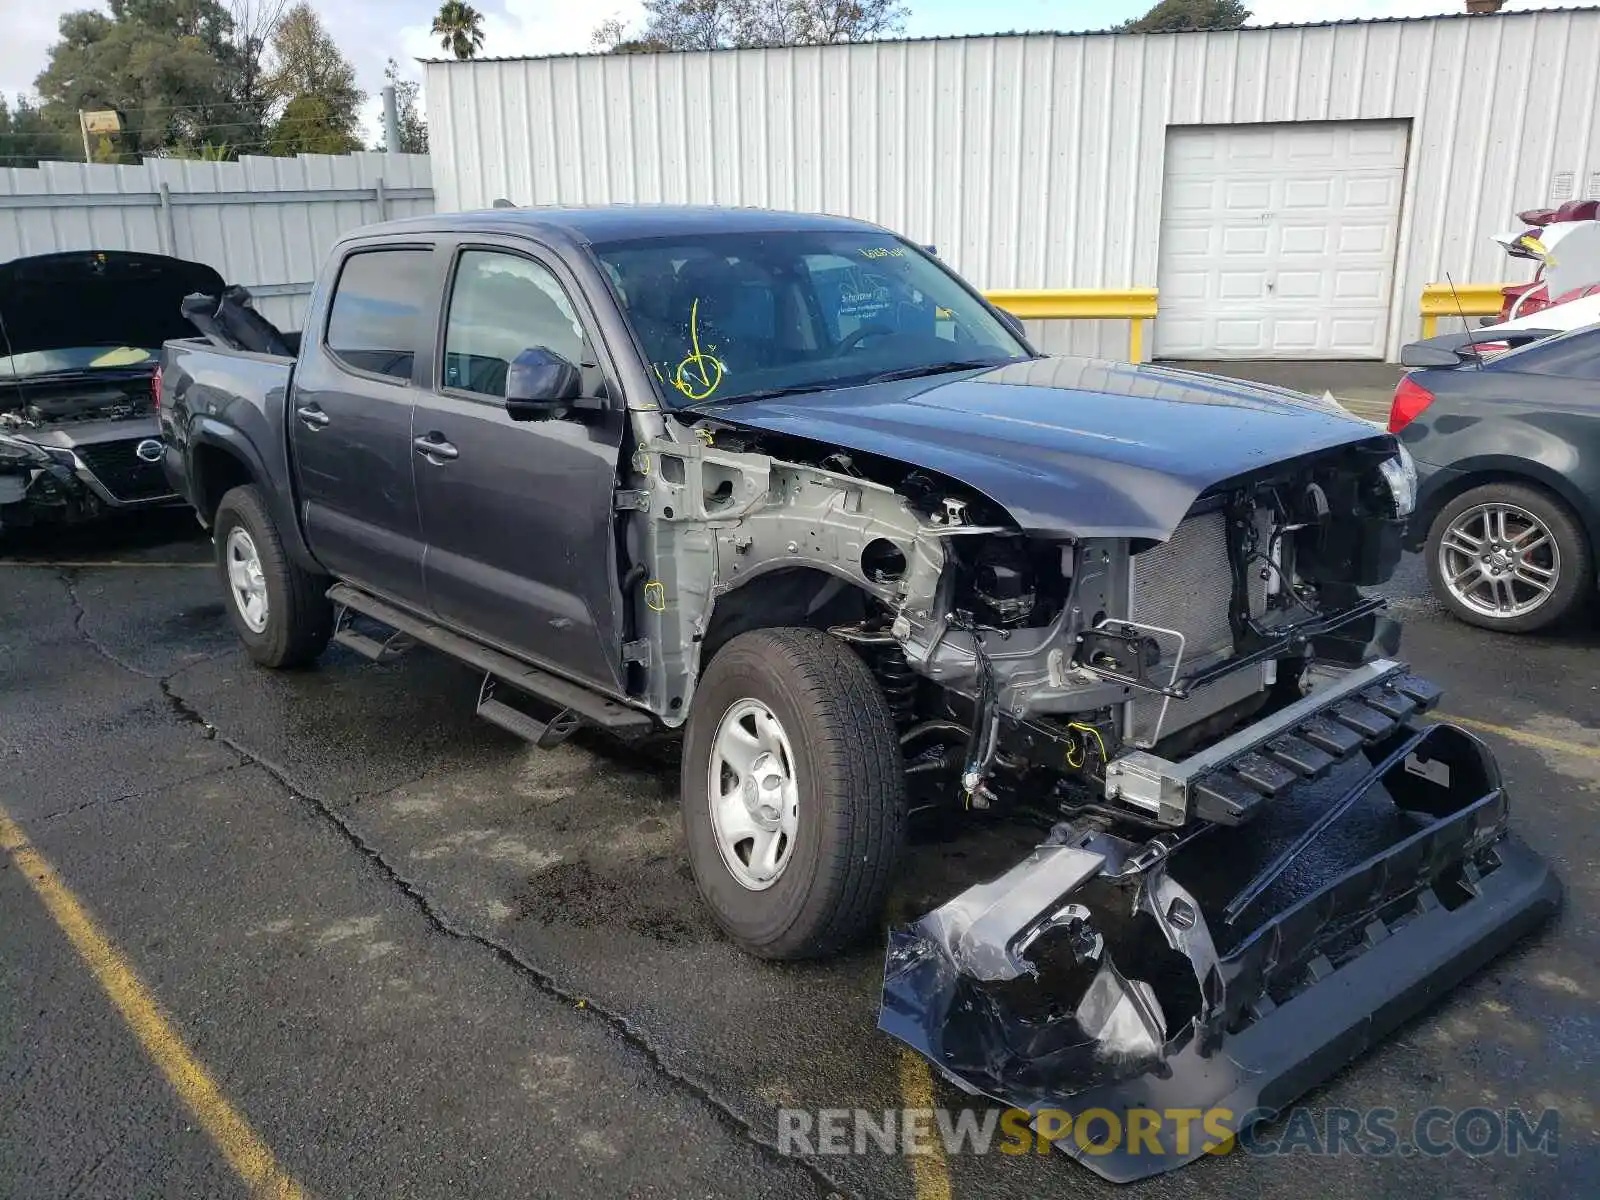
x: 422, y: 958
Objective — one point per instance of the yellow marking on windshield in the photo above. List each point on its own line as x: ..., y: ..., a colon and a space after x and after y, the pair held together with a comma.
x: 706, y: 367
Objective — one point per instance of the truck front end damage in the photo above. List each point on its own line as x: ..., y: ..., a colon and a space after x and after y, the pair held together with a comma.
x: 1259, y: 857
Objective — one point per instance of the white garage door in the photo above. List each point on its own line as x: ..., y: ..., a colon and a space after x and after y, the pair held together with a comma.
x: 1278, y: 241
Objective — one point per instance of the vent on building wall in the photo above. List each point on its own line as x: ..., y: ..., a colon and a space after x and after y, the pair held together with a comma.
x: 1591, y: 190
x: 1562, y: 186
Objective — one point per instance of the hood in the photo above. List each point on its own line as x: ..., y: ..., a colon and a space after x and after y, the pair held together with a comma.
x: 1070, y: 446
x: 98, y: 297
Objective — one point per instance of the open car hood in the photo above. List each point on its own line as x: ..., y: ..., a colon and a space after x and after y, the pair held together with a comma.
x: 95, y: 297
x: 1070, y: 446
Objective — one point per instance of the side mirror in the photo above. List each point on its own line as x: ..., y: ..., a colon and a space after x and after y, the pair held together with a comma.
x: 539, y: 384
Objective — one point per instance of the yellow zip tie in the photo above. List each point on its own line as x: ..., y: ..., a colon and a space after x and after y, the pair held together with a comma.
x: 1099, y: 741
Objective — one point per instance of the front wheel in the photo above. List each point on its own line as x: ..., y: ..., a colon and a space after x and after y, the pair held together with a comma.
x: 1510, y: 557
x: 280, y: 612
x: 793, y: 793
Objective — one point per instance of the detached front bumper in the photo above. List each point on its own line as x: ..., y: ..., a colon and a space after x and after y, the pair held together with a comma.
x: 1224, y: 970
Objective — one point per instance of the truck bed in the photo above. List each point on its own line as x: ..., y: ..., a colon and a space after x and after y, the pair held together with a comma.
x: 247, y: 394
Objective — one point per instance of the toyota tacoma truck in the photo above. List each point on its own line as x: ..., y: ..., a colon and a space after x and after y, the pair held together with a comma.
x: 80, y: 337
x: 786, y: 486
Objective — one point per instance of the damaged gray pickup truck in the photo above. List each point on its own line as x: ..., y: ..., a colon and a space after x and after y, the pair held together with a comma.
x: 789, y: 486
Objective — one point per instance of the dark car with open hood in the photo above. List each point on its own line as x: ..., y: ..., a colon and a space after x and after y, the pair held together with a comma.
x: 787, y: 487
x: 80, y: 343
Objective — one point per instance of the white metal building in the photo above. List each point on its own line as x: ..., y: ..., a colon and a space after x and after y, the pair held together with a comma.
x: 1289, y: 189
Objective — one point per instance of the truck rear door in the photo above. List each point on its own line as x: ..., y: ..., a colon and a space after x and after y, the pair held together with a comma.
x: 518, y: 515
x: 350, y: 418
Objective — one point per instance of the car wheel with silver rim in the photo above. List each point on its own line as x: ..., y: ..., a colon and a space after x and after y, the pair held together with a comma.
x: 279, y: 609
x: 793, y: 793
x: 245, y: 580
x: 755, y: 800
x: 1509, y: 556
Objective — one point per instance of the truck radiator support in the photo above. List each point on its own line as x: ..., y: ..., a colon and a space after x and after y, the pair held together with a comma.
x: 1219, y: 967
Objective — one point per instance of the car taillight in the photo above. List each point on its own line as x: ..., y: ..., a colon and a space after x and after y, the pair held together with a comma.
x: 155, y: 389
x: 1410, y: 398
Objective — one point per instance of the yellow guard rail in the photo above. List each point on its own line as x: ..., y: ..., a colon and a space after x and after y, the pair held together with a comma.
x: 1464, y: 299
x: 1085, y: 304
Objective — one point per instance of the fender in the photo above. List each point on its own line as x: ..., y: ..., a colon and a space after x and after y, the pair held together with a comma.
x: 279, y: 496
x: 1537, y: 454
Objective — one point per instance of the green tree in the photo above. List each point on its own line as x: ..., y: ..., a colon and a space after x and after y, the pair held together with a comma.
x: 313, y: 88
x: 715, y: 24
x: 413, y: 128
x: 164, y: 64
x: 1171, y: 15
x: 182, y: 73
x: 254, y: 24
x: 459, y: 28
x: 308, y: 125
x: 26, y: 137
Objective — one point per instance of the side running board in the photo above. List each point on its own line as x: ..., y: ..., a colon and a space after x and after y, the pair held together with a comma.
x: 575, y: 704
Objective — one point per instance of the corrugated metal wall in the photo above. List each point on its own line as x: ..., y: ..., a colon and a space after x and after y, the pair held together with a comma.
x: 1036, y: 161
x: 262, y: 222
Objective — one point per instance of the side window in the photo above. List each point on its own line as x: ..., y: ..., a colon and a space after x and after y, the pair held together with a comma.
x: 375, y: 322
x: 501, y: 305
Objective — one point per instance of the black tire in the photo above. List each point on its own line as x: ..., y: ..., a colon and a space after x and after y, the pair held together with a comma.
x: 1575, y: 581
x: 851, y: 822
x: 299, y: 617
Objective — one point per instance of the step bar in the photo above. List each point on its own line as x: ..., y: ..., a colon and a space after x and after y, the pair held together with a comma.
x: 575, y: 704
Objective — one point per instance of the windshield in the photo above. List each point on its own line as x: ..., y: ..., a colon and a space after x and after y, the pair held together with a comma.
x: 731, y: 316
x: 73, y: 358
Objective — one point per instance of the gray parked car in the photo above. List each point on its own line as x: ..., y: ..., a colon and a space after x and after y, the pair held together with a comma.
x: 1508, y: 453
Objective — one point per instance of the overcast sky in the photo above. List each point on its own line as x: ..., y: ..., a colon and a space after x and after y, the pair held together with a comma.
x: 370, y: 31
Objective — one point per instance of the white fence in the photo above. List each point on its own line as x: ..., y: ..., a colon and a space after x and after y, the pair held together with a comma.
x: 264, y: 222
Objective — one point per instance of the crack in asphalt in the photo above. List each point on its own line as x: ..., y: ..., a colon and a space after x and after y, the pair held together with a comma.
x: 69, y: 581
x: 142, y: 792
x: 542, y: 980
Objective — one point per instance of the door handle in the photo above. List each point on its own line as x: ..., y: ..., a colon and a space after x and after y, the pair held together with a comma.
x: 313, y: 416
x: 430, y: 448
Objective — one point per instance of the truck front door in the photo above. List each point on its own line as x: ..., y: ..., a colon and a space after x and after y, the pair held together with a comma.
x: 517, y: 516
x: 351, y: 420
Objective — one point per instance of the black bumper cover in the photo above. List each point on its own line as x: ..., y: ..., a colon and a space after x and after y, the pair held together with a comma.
x: 1279, y: 1012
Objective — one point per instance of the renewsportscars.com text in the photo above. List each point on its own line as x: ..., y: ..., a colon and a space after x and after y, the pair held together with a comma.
x: 1373, y: 1132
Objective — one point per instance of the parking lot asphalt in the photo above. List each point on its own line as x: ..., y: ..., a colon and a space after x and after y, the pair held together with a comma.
x: 418, y: 957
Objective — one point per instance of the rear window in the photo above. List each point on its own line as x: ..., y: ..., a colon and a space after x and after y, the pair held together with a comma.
x: 376, y: 320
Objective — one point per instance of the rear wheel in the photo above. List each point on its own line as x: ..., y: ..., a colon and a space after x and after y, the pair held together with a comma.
x: 1509, y: 556
x: 793, y: 793
x: 280, y: 612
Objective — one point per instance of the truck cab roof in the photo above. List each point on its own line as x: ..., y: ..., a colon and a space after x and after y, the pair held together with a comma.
x: 611, y: 222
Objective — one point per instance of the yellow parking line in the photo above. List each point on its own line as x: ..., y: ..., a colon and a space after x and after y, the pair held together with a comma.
x: 246, y: 1153
x: 930, y: 1172
x: 1536, y: 740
